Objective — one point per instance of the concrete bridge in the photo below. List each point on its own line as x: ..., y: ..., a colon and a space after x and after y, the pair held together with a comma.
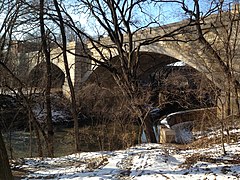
x: 182, y: 47
x: 185, y: 47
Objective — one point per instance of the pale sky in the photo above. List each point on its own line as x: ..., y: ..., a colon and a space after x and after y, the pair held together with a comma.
x: 169, y: 13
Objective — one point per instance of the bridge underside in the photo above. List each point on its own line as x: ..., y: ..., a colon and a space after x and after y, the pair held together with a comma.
x: 37, y: 76
x: 151, y: 64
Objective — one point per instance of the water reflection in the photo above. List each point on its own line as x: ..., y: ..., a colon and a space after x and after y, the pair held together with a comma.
x: 92, y: 138
x: 18, y: 143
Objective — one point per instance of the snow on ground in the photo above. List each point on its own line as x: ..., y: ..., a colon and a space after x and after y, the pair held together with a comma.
x: 142, y: 162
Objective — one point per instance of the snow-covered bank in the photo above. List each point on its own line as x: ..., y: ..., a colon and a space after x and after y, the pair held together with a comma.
x: 146, y: 162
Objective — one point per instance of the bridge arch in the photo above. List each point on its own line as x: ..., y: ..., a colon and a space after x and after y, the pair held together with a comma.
x: 180, y: 54
x: 150, y: 62
x: 176, y: 86
x: 37, y: 76
x: 192, y: 55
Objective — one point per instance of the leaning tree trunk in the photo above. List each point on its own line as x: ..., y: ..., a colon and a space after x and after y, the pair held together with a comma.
x: 5, y: 171
x: 146, y: 124
x: 148, y: 128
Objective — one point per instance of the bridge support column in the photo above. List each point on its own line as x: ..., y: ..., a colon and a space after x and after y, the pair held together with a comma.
x: 82, y: 65
x: 78, y: 64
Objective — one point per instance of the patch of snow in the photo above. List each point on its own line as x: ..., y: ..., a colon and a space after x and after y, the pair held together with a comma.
x: 58, y: 115
x: 178, y: 63
x: 145, y: 161
x: 165, y: 122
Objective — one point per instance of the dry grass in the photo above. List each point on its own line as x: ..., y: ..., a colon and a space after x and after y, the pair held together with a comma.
x: 115, y: 116
x: 193, y: 159
x: 109, y: 137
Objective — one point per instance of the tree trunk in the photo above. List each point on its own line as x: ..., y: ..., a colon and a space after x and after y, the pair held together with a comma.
x: 50, y: 133
x: 72, y: 91
x: 147, y: 125
x: 149, y: 130
x: 5, y: 171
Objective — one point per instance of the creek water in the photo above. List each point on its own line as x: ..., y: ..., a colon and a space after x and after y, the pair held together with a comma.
x: 18, y: 143
x: 21, y: 144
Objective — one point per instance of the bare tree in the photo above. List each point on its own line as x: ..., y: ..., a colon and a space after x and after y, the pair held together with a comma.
x: 219, y: 43
x: 15, y: 19
x: 46, y: 49
x: 6, y: 29
x: 67, y: 69
x: 228, y: 38
x: 120, y: 23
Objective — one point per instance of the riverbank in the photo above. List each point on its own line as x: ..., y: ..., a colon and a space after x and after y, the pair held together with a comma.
x: 145, y: 161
